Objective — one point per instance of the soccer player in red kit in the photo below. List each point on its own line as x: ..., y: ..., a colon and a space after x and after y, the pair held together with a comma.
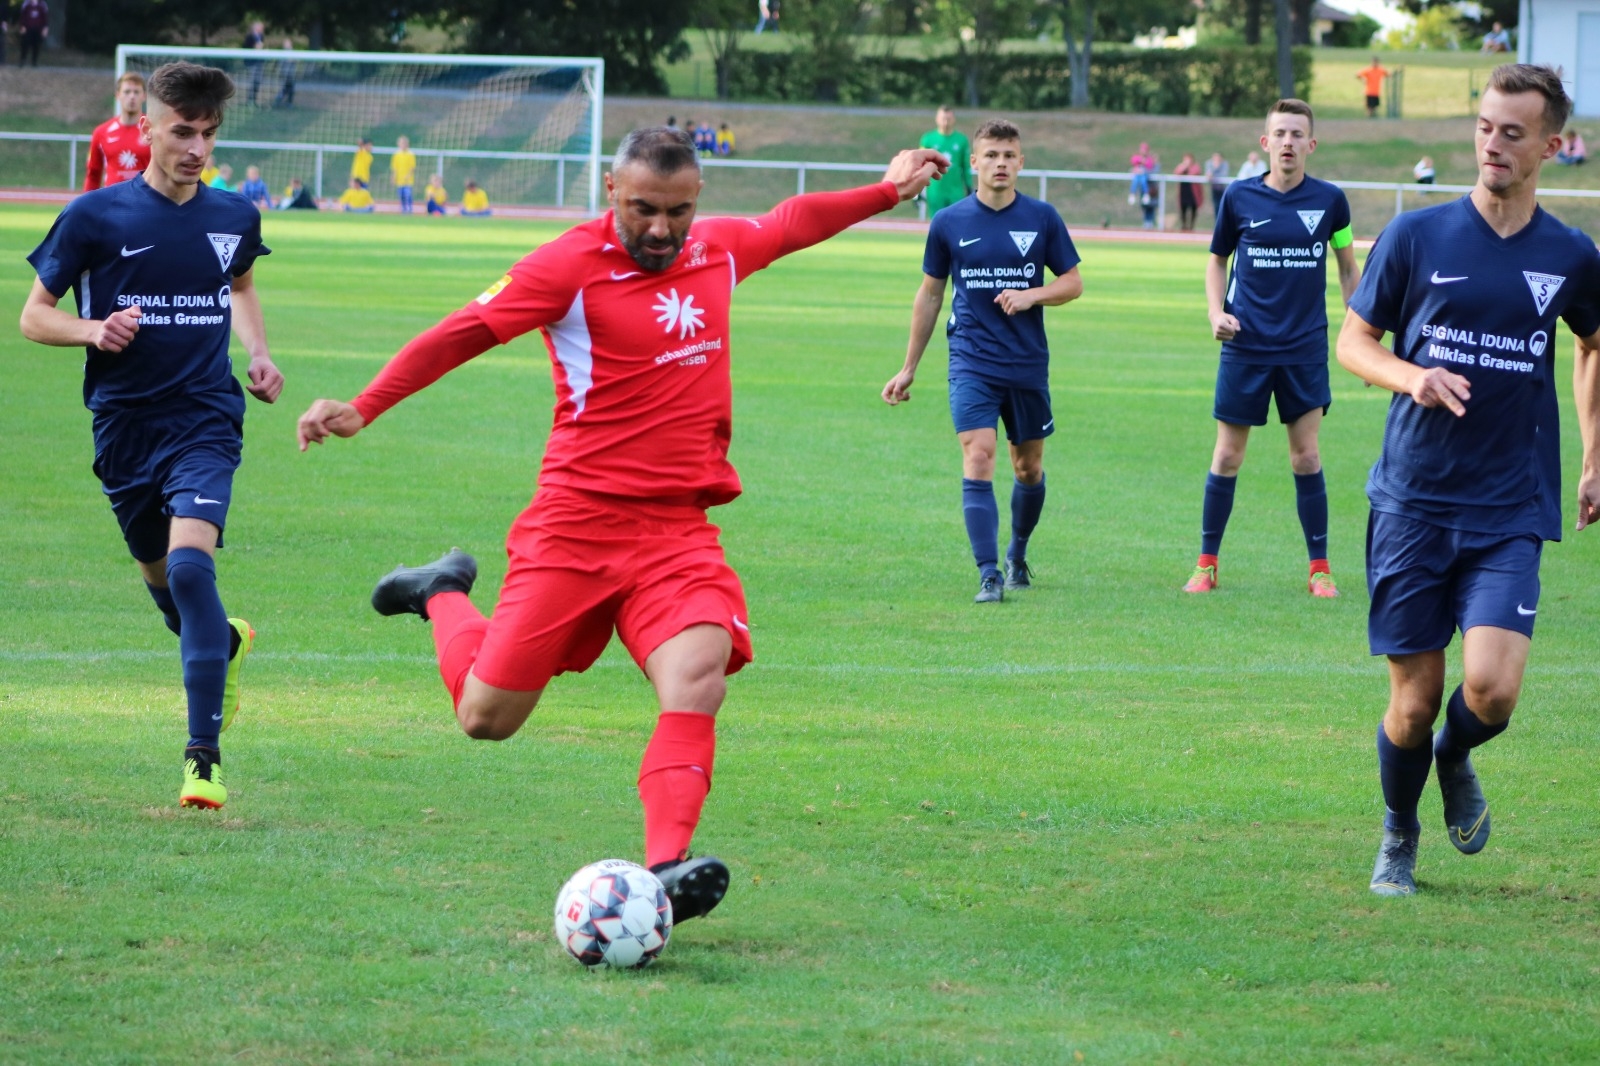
x: 117, y: 151
x: 634, y: 311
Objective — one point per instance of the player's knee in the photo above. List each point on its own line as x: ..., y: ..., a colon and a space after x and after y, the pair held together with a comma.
x: 1491, y: 699
x: 1028, y: 471
x: 1308, y: 461
x: 1227, y: 461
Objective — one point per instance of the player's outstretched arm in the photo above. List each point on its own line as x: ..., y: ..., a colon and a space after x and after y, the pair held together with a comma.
x: 328, y: 418
x: 925, y: 308
x: 1361, y: 352
x: 266, y: 383
x: 1062, y: 290
x: 45, y: 323
x: 1224, y: 327
x: 915, y: 169
x: 1586, y: 393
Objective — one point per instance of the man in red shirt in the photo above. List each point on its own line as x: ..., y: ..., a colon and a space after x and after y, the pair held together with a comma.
x: 117, y: 151
x: 634, y: 311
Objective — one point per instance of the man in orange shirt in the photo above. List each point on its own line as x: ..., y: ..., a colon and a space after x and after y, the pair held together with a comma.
x: 1373, y: 76
x: 117, y: 151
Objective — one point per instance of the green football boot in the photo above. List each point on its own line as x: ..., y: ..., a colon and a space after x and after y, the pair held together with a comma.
x: 243, y: 638
x: 202, y: 779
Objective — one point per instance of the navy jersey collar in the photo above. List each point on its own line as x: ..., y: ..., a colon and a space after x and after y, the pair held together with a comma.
x: 1483, y: 227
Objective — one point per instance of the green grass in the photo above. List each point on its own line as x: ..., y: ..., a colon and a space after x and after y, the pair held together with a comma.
x: 1100, y: 819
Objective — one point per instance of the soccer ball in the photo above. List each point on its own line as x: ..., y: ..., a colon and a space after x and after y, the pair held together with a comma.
x: 613, y: 913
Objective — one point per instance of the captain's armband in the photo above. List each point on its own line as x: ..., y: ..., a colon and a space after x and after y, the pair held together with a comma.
x: 1342, y: 238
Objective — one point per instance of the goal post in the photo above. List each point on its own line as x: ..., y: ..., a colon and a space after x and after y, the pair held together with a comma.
x: 525, y: 128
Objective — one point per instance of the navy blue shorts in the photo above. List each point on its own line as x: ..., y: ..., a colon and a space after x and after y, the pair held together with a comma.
x: 1243, y: 390
x: 1427, y: 581
x: 154, y: 467
x: 979, y: 404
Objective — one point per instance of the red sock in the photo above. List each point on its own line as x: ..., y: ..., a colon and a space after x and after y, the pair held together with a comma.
x: 458, y: 630
x: 674, y: 778
x: 1207, y: 560
x: 1320, y: 566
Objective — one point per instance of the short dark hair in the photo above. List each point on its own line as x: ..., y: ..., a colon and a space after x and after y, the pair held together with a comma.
x: 997, y: 129
x: 193, y: 91
x: 1514, y: 78
x: 664, y: 149
x: 1291, y: 106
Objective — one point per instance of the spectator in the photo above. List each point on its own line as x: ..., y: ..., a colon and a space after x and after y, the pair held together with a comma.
x: 724, y: 140
x: 208, y: 171
x: 1373, y: 76
x: 285, y: 97
x: 257, y: 39
x: 1217, y: 174
x: 255, y: 190
x: 33, y: 20
x: 434, y: 195
x: 1252, y: 167
x: 361, y: 165
x: 297, y: 197
x: 1497, y: 39
x: 672, y: 122
x: 1143, y: 157
x: 1140, y: 195
x: 768, y: 19
x: 705, y: 140
x: 1422, y: 173
x: 474, y: 202
x: 223, y: 179
x: 1573, y: 151
x: 403, y: 172
x: 1188, y: 192
x: 357, y: 199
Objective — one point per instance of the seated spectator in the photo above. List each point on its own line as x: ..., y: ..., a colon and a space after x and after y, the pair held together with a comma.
x: 357, y: 198
x: 705, y: 139
x: 208, y: 171
x: 724, y: 140
x: 297, y: 197
x: 255, y: 190
x: 223, y: 179
x: 1573, y: 151
x: 474, y: 202
x: 1497, y: 40
x: 1422, y: 173
x: 435, y: 196
x: 1252, y: 167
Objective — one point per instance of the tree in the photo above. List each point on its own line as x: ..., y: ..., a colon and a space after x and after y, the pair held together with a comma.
x: 831, y: 25
x: 1084, y: 20
x: 1285, y: 49
x: 979, y: 27
x: 722, y: 22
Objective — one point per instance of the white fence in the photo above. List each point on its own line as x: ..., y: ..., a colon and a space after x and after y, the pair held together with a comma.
x: 319, y: 155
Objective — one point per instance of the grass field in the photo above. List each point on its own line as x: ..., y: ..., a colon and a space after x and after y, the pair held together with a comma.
x: 1101, y: 822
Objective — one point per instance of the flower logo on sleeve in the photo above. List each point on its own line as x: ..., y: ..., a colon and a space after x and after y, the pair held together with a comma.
x: 681, y: 315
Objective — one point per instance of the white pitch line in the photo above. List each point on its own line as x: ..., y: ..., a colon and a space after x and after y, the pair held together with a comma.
x: 834, y: 669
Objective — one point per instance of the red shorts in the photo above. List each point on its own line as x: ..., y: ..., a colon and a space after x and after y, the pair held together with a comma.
x: 583, y: 564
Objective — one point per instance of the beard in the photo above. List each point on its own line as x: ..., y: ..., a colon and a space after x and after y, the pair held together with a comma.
x: 655, y: 262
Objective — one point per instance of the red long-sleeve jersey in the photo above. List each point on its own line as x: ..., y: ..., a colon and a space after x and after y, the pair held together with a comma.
x: 116, y: 153
x: 641, y: 359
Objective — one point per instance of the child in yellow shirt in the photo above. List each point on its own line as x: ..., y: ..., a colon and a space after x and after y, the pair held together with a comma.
x: 361, y: 166
x: 475, y: 202
x: 403, y: 173
x: 357, y: 199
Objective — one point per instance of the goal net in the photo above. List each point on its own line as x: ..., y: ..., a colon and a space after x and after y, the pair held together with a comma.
x: 525, y: 128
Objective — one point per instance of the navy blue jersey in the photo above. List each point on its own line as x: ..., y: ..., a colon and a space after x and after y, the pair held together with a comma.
x: 1456, y: 294
x: 987, y: 251
x: 1278, y: 284
x: 128, y: 244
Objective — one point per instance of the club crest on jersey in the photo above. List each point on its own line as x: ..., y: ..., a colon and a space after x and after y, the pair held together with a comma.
x: 1311, y: 219
x: 127, y: 160
x: 224, y: 244
x: 681, y: 315
x: 697, y: 253
x: 1024, y: 239
x: 1544, y: 288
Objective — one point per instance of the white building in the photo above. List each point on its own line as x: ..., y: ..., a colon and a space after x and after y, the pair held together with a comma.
x: 1564, y: 34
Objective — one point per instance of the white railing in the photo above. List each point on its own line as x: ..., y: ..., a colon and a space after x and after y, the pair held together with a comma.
x: 799, y: 168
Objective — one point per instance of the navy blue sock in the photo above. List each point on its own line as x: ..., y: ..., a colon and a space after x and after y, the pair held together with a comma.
x: 204, y: 641
x: 1462, y: 730
x: 1311, y: 500
x: 1027, y: 504
x: 1215, y: 511
x: 169, y: 609
x: 1404, y: 772
x: 978, y: 507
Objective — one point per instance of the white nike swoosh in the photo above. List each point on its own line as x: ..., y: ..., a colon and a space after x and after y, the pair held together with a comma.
x: 216, y: 718
x: 1437, y: 280
x: 1048, y: 424
x: 1525, y: 612
x: 126, y: 251
x: 740, y: 624
x: 624, y: 277
x: 200, y: 499
x: 1263, y: 222
x: 974, y: 240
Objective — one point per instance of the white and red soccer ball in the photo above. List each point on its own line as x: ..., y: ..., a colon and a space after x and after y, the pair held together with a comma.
x: 613, y: 913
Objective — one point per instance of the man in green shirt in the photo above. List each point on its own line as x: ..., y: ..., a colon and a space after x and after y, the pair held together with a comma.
x: 956, y: 184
